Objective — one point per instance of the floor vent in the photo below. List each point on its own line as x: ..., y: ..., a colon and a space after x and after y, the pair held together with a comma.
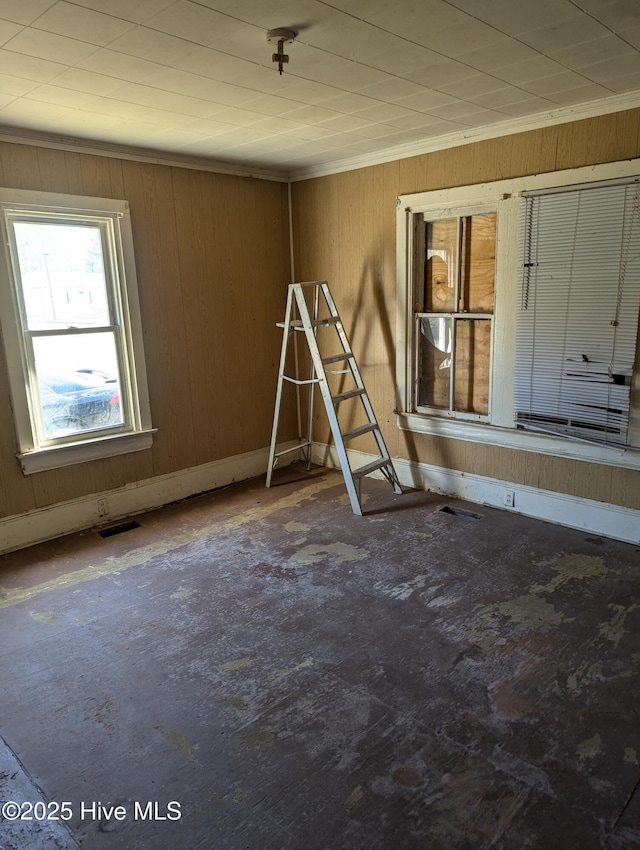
x: 459, y: 512
x: 120, y: 528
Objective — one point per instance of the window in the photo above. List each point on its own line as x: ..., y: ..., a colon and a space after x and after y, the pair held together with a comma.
x: 71, y: 329
x: 578, y: 310
x: 454, y: 296
x: 480, y: 317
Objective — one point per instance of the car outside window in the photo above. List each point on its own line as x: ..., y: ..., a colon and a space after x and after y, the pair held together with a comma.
x: 71, y: 326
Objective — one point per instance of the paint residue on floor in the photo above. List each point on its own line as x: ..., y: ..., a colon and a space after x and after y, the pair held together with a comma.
x: 235, y: 664
x: 179, y: 741
x: 258, y: 738
x: 571, y: 568
x: 338, y: 553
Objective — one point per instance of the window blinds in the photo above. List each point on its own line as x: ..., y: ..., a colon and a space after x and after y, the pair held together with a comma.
x: 578, y: 307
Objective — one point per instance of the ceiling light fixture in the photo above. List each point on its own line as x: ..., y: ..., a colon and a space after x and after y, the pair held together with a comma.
x: 281, y: 36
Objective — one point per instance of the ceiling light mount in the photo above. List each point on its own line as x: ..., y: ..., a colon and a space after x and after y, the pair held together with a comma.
x: 280, y: 36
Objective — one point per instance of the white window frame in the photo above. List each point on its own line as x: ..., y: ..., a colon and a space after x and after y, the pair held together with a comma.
x: 444, y: 212
x: 36, y: 454
x: 505, y: 198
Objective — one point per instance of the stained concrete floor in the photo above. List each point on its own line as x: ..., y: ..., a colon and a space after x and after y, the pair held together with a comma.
x: 294, y: 676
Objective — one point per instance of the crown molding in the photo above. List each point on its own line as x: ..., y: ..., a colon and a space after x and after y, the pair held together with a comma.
x: 37, y: 138
x: 511, y: 126
x: 562, y: 115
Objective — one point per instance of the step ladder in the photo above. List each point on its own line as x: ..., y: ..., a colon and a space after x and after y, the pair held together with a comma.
x: 310, y: 309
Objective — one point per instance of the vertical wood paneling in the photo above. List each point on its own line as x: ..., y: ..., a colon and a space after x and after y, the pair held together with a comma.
x: 534, y: 152
x: 52, y: 166
x: 16, y: 493
x: 161, y: 301
x: 517, y: 466
x: 116, y: 178
x: 96, y: 176
x: 390, y: 174
x: 74, y: 172
x: 603, y: 139
x: 590, y: 478
x: 556, y: 473
x: 492, y: 159
x: 194, y: 356
x: 20, y: 167
x: 625, y: 488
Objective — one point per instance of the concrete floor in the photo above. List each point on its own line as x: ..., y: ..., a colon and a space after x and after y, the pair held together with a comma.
x: 297, y: 677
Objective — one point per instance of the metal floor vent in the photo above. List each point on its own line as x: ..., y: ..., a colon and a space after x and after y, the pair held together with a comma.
x: 120, y: 528
x: 459, y: 512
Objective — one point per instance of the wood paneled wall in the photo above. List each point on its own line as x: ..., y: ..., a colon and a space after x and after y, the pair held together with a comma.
x: 344, y: 231
x: 212, y: 257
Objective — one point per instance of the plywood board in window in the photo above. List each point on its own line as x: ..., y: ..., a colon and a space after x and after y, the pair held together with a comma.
x: 472, y: 365
x: 441, y: 266
x: 478, y: 263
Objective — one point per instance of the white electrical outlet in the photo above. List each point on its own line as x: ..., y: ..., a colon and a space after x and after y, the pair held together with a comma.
x: 103, y: 507
x: 509, y: 498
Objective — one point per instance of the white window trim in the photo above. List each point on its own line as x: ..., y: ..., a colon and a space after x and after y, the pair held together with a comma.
x: 503, y: 196
x: 445, y: 211
x: 35, y: 459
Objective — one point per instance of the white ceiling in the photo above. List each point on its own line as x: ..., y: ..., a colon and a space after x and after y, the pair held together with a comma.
x: 195, y: 77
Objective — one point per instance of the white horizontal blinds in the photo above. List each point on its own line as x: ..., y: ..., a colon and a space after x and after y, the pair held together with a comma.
x: 578, y: 309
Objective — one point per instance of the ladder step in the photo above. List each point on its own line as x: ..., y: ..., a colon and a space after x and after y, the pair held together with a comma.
x: 300, y: 383
x: 292, y: 449
x: 336, y: 358
x: 348, y: 394
x: 358, y: 432
x: 370, y: 467
x: 330, y: 320
x: 296, y: 324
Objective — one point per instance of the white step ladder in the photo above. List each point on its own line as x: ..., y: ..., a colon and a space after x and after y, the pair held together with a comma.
x: 310, y: 316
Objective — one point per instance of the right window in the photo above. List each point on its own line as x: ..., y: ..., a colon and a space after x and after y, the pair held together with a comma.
x: 518, y: 306
x: 577, y: 311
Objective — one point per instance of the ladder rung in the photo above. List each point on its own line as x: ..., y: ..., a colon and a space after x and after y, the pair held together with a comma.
x: 348, y: 394
x: 300, y: 383
x: 358, y: 432
x: 370, y: 467
x: 292, y: 449
x: 293, y: 325
x: 296, y: 324
x: 330, y: 320
x: 336, y: 358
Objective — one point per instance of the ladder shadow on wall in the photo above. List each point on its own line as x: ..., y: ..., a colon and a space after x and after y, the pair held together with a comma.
x: 371, y: 271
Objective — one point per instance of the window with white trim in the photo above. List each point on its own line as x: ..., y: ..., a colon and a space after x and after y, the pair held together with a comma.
x: 577, y: 317
x: 498, y: 387
x: 71, y: 328
x: 454, y: 297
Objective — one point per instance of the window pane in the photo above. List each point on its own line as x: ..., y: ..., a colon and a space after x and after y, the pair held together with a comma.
x: 441, y: 266
x: 472, y: 365
x: 63, y: 278
x: 577, y: 322
x: 78, y: 383
x: 478, y: 270
x: 434, y: 359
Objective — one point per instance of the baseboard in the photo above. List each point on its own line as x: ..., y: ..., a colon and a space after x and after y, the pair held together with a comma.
x: 41, y: 524
x: 599, y: 518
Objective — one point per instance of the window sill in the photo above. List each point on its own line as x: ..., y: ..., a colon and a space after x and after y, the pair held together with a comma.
x: 512, y: 438
x: 41, y: 460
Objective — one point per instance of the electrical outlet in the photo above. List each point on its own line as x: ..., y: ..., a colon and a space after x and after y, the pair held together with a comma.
x: 509, y: 498
x: 103, y: 507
